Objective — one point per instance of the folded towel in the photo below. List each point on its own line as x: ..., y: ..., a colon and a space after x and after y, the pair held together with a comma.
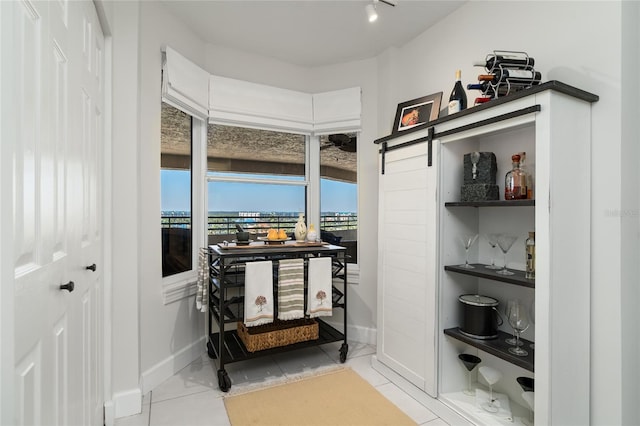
x: 203, y: 280
x: 500, y: 401
x: 291, y: 289
x: 319, y: 299
x: 258, y: 293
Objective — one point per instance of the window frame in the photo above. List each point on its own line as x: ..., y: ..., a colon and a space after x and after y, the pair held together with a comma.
x: 178, y: 286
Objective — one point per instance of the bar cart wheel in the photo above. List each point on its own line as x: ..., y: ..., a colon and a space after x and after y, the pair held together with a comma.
x: 224, y: 382
x: 343, y: 352
x: 210, y: 351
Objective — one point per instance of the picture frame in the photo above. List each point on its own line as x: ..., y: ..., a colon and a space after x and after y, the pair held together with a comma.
x: 416, y: 112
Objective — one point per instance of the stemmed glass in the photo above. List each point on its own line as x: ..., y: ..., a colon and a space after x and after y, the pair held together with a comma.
x: 470, y: 362
x: 519, y: 321
x: 492, y: 239
x: 505, y: 241
x: 511, y: 340
x: 467, y: 242
x: 491, y: 376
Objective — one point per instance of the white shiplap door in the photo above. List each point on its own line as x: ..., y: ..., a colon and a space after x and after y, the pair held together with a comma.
x: 407, y: 260
x: 57, y: 90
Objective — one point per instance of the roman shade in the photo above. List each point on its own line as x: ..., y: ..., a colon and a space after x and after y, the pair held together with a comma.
x: 185, y: 85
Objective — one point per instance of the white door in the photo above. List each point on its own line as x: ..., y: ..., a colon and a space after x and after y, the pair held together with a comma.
x: 58, y: 82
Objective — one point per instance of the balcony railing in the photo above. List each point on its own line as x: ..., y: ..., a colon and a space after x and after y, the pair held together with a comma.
x: 226, y: 225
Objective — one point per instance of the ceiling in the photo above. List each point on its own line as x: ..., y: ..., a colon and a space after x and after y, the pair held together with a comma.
x: 309, y: 33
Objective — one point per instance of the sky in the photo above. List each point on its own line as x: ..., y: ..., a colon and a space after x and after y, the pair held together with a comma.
x: 335, y: 196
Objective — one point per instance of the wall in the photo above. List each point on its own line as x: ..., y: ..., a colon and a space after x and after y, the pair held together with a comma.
x: 171, y: 335
x: 580, y: 44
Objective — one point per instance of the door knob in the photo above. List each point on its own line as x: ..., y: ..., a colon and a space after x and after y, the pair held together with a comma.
x: 91, y: 267
x: 68, y: 286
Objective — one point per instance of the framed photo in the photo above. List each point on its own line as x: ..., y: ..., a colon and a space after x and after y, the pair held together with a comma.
x: 416, y: 112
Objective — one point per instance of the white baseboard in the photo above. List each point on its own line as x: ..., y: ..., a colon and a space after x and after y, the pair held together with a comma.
x: 109, y: 414
x: 127, y: 403
x: 171, y: 365
x: 439, y: 409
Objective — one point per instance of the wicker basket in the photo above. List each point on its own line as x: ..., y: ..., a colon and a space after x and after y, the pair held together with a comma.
x: 278, y: 333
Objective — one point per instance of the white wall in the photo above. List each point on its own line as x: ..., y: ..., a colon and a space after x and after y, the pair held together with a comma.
x: 578, y: 43
x: 170, y: 335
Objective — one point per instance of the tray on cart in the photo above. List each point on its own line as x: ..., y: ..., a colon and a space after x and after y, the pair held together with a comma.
x: 265, y: 245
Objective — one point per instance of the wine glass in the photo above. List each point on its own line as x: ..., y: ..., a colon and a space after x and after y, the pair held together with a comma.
x: 529, y: 398
x: 491, y: 376
x: 532, y: 312
x: 511, y: 340
x: 467, y: 242
x: 505, y: 241
x: 492, y: 239
x: 470, y: 362
x: 519, y: 321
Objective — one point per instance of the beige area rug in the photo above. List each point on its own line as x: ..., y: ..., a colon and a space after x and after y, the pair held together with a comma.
x: 335, y: 398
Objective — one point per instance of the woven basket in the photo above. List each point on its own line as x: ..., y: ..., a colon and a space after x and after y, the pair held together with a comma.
x: 278, y: 333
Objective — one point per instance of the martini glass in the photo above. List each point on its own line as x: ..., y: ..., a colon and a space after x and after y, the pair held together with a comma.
x: 519, y: 322
x: 505, y: 241
x: 491, y: 376
x: 492, y: 239
x: 529, y: 398
x: 470, y: 362
x: 467, y: 242
x: 526, y: 383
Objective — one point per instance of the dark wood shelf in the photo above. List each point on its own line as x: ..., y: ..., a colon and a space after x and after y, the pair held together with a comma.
x: 497, y: 347
x: 496, y: 203
x: 480, y: 271
x: 235, y: 350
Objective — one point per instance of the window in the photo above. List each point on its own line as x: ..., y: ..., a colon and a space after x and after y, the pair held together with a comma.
x: 339, y: 191
x: 257, y: 179
x: 176, y: 191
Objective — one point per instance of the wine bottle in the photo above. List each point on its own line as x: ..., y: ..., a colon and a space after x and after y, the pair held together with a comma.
x: 458, y: 98
x: 478, y: 86
x: 530, y: 246
x: 506, y: 60
x: 518, y: 76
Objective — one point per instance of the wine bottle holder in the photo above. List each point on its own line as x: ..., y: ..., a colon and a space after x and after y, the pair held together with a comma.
x: 508, y: 60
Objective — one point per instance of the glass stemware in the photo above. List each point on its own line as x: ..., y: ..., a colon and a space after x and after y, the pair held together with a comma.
x: 492, y: 239
x: 470, y: 362
x: 511, y: 340
x: 467, y: 242
x: 519, y: 322
x: 491, y: 376
x: 505, y: 241
x: 532, y: 312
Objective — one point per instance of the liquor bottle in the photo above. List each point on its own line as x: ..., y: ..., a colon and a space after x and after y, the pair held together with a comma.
x: 530, y: 247
x: 529, y: 176
x: 458, y: 98
x: 515, y: 185
x: 514, y: 76
x: 506, y: 60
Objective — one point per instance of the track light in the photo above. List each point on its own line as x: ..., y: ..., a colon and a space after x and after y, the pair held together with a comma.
x: 372, y: 13
x: 372, y: 10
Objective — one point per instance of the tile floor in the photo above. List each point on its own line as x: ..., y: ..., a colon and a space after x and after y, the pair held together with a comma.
x: 192, y: 398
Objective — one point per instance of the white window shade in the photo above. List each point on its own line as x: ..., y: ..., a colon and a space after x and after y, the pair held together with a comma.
x: 248, y: 104
x: 185, y: 85
x: 337, y: 111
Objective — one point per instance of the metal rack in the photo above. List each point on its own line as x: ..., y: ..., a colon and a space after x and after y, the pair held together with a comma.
x: 511, y: 61
x: 226, y: 300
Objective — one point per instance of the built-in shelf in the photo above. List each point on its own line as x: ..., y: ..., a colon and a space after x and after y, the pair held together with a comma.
x: 480, y: 271
x: 497, y: 347
x: 496, y: 203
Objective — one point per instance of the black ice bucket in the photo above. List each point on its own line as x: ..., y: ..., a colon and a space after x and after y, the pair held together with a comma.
x: 480, y: 316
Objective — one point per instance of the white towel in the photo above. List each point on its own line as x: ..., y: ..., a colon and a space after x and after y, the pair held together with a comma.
x: 319, y: 298
x: 203, y: 280
x: 290, y: 289
x: 258, y: 293
x: 500, y: 400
